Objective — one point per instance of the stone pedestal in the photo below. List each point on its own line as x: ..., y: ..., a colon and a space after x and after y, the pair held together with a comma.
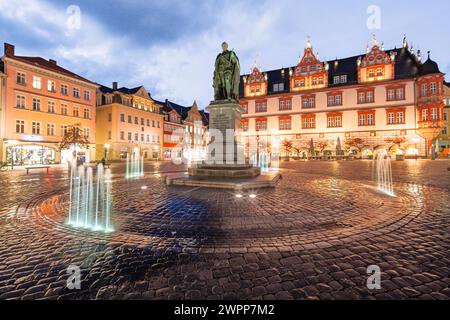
x: 225, y: 129
x: 225, y: 165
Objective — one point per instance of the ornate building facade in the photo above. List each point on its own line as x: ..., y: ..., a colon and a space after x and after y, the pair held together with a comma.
x: 40, y: 101
x: 383, y: 99
x: 129, y: 122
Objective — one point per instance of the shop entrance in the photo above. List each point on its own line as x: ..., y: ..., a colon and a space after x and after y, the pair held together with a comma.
x: 31, y: 155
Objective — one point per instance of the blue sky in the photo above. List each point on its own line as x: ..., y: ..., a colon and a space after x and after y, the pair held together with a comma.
x: 170, y: 45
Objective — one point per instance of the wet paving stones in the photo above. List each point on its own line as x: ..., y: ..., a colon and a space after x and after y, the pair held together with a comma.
x: 312, y: 237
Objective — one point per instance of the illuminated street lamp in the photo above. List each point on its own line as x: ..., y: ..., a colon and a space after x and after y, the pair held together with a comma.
x: 107, y: 146
x: 12, y: 143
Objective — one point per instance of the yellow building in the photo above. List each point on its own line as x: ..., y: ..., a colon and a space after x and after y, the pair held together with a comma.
x: 129, y: 122
x: 40, y: 102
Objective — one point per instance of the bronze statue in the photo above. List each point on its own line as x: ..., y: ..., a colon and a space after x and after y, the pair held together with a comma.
x: 226, y: 75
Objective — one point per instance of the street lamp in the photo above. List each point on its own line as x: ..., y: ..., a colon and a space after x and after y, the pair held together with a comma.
x: 12, y: 143
x: 107, y: 146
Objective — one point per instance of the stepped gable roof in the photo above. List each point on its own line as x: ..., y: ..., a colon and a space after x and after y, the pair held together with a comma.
x: 406, y: 66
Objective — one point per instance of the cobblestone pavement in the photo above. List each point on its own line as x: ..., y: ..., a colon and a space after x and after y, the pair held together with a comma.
x: 312, y: 237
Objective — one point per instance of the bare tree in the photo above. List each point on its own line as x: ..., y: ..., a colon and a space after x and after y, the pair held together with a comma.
x: 75, y: 137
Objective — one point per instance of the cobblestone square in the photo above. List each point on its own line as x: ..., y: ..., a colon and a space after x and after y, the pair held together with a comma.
x: 311, y: 237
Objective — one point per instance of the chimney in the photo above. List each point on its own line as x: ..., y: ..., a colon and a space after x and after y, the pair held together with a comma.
x: 115, y: 85
x: 52, y: 61
x: 9, y: 50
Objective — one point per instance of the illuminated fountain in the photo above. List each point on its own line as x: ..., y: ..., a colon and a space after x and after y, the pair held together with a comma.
x: 135, y: 166
x: 90, y: 203
x: 383, y: 171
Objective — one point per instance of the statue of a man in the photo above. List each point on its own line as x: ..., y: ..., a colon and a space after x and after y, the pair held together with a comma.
x: 226, y: 75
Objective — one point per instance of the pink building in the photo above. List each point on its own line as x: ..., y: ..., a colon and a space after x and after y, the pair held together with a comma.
x: 39, y: 101
x: 383, y: 99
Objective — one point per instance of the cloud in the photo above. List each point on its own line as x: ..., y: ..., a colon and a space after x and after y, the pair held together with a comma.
x: 170, y: 46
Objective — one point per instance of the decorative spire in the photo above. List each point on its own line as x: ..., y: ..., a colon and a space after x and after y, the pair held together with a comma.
x: 375, y: 41
x: 194, y: 106
x: 367, y: 48
x: 405, y: 42
x: 429, y: 54
x: 419, y: 55
x: 308, y: 43
x: 382, y: 46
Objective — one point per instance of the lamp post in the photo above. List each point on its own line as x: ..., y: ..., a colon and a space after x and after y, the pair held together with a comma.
x: 107, y: 146
x: 12, y: 144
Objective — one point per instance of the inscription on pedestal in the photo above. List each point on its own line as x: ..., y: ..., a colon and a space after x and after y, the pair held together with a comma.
x: 221, y: 121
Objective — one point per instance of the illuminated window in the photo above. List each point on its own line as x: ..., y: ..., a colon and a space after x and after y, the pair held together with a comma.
x: 37, y: 83
x: 369, y: 97
x: 87, y: 96
x: 379, y: 72
x: 371, y: 73
x: 76, y: 92
x: 76, y: 111
x: 370, y: 120
x: 344, y: 78
x: 86, y: 113
x: 64, y: 109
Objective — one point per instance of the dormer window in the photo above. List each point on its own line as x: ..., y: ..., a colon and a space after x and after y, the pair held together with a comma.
x: 277, y: 87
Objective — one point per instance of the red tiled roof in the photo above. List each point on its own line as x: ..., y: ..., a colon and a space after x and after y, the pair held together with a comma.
x: 45, y: 64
